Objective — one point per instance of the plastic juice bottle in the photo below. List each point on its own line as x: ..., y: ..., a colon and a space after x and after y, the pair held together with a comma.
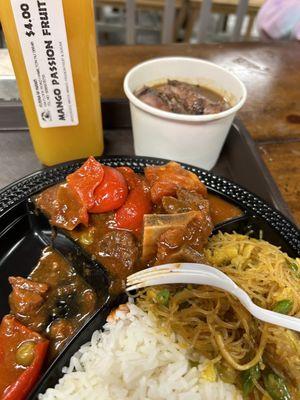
x: 52, y: 45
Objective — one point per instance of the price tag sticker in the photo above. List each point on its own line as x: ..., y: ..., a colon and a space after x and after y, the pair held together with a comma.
x: 43, y: 39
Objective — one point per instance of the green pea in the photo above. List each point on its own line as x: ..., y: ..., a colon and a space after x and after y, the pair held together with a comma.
x: 248, y: 377
x: 87, y: 238
x: 25, y: 353
x: 283, y: 306
x: 163, y: 297
x: 293, y: 267
x: 276, y: 387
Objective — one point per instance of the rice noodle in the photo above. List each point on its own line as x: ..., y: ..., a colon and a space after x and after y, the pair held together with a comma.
x: 214, y: 323
x: 249, y: 364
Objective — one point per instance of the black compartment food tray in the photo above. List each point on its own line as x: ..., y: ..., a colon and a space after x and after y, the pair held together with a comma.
x: 240, y: 162
x: 21, y: 232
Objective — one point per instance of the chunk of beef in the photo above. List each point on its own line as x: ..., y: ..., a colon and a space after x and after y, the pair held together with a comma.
x: 184, y: 243
x: 182, y: 98
x: 169, y: 242
x: 27, y: 296
x: 28, y: 284
x: 190, y: 239
x: 192, y: 98
x: 198, y: 231
x: 118, y: 253
x: 185, y: 201
x: 172, y: 103
x: 165, y: 180
x: 62, y: 207
x: 152, y: 97
x: 171, y: 205
x: 121, y: 245
x: 195, y: 200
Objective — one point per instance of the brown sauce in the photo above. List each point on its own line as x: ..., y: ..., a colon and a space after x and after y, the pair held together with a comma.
x: 221, y: 210
x: 183, y: 98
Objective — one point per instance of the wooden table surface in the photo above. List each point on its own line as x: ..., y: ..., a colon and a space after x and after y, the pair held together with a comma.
x: 271, y: 73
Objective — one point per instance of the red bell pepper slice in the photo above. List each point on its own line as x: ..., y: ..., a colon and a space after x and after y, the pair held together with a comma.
x: 16, y: 381
x: 111, y: 193
x: 131, y: 215
x: 85, y: 180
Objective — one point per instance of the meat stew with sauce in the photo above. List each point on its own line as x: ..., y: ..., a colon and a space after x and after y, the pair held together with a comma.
x: 124, y: 221
x: 54, y: 300
x: 183, y: 98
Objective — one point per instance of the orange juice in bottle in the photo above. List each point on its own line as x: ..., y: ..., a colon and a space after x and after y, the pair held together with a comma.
x: 53, y: 50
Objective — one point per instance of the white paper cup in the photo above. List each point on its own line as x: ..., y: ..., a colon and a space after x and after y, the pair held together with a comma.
x: 194, y: 139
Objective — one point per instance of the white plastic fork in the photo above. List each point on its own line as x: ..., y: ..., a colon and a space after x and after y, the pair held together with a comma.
x: 202, y: 274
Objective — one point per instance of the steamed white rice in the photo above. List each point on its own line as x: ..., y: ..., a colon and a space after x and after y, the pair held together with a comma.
x: 132, y: 359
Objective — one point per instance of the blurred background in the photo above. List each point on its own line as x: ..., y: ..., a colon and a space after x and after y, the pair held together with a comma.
x: 159, y: 22
x: 146, y: 22
x: 166, y: 21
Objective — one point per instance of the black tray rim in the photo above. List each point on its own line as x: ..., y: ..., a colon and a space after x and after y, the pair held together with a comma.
x: 16, y: 192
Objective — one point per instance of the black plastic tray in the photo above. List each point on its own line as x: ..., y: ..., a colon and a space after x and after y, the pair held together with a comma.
x: 22, y: 232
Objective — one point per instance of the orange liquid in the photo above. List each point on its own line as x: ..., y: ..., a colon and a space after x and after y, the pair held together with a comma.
x: 54, y: 145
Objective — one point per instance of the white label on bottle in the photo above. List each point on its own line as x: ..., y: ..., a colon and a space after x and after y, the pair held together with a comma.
x: 42, y: 34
